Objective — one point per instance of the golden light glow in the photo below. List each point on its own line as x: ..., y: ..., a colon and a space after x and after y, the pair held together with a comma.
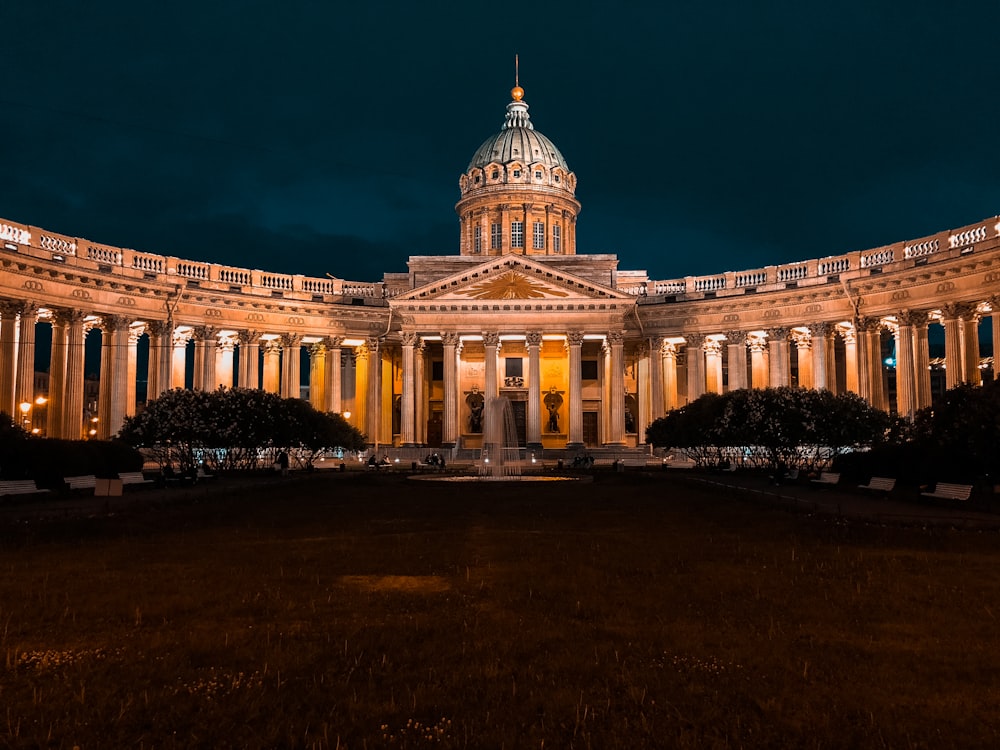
x: 511, y: 285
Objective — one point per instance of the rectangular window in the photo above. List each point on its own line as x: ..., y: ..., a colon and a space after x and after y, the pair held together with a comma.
x: 588, y: 369
x: 495, y: 237
x: 517, y: 234
x: 538, y: 235
x: 513, y: 367
x: 477, y: 239
x: 437, y: 370
x: 556, y: 238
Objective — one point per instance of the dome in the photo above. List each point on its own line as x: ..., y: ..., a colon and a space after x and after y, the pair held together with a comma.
x: 518, y: 141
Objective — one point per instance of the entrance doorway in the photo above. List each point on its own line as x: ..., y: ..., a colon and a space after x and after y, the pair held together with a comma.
x: 520, y: 412
x: 434, y: 426
x: 591, y: 435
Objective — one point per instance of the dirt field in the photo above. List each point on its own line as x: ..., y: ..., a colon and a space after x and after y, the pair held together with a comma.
x: 360, y: 611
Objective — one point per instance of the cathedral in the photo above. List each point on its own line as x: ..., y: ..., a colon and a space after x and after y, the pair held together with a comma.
x: 587, y: 354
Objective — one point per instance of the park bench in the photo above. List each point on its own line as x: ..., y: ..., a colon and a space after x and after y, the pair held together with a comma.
x: 879, y: 484
x: 133, y: 478
x: 634, y: 463
x: 827, y: 478
x: 946, y: 491
x: 20, y: 487
x: 202, y: 476
x: 82, y: 482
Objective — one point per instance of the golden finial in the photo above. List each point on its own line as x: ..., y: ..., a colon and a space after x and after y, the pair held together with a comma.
x: 517, y: 93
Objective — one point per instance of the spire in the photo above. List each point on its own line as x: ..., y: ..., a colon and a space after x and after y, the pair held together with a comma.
x: 517, y: 110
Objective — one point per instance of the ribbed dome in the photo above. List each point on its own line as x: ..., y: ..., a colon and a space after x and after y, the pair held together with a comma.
x: 518, y: 141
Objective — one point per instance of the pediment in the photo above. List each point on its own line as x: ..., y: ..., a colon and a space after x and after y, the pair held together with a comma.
x: 512, y: 277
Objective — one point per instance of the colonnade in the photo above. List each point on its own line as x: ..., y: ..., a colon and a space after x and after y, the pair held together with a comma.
x: 386, y: 380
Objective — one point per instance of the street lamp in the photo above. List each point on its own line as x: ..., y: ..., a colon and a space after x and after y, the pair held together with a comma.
x: 93, y: 426
x: 25, y: 407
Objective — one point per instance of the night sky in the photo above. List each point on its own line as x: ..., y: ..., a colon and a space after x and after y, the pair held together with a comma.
x: 321, y: 137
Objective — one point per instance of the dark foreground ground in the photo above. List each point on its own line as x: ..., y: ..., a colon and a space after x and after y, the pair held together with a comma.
x: 360, y: 611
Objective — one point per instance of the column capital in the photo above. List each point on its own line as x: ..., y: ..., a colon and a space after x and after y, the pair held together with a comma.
x: 668, y: 349
x: 248, y: 337
x: 736, y: 337
x: 711, y: 346
x: 616, y: 337
x: 778, y: 333
x: 333, y: 341
x: 870, y: 324
x: 574, y: 338
x: 912, y: 317
x: 820, y: 330
x: 802, y: 339
x: 450, y: 339
x: 290, y: 339
x: 534, y: 338
x: 111, y: 323
x: 409, y: 338
x: 491, y: 338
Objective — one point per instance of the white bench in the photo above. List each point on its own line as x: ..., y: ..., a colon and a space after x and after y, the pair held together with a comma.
x: 879, y: 484
x: 133, y: 477
x: 827, y: 478
x: 82, y: 482
x: 946, y: 491
x: 20, y: 487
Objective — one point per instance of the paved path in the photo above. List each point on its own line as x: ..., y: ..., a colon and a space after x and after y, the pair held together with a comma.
x: 839, y: 501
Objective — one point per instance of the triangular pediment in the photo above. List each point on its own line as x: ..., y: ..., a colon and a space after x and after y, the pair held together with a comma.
x: 511, y: 278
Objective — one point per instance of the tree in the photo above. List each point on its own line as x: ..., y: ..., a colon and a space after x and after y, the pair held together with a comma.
x: 234, y: 428
x: 772, y: 428
x: 961, y: 433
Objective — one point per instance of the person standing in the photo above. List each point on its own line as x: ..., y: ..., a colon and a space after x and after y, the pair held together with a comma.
x: 283, y: 463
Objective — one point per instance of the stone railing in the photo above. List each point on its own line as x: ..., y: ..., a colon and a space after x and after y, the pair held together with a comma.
x: 32, y: 241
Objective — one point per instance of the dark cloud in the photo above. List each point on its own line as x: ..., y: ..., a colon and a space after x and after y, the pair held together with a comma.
x: 705, y: 138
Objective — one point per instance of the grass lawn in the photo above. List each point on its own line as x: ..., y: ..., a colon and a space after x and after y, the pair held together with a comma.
x: 358, y: 611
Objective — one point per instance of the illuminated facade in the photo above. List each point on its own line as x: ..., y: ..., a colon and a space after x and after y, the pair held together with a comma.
x: 587, y: 353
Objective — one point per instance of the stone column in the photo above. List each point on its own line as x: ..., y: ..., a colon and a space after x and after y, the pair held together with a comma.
x: 8, y: 357
x: 291, y: 366
x: 778, y: 357
x: 574, y: 340
x: 249, y: 375
x: 669, y: 352
x: 695, y: 371
x: 953, y: 360
x: 759, y: 376
x: 995, y: 317
x: 736, y: 354
x: 132, y: 368
x: 820, y: 333
x: 906, y: 392
x: 713, y: 365
x: 272, y: 366
x: 209, y: 346
x: 26, y: 355
x: 921, y: 359
x: 970, y: 345
x: 373, y: 396
x: 317, y: 375
x: 154, y: 329
x: 407, y: 421
x: 491, y: 341
x: 616, y: 390
x: 114, y: 372
x: 200, y: 336
x: 534, y: 415
x: 57, y: 374
x: 656, y: 391
x: 224, y: 361
x: 419, y: 393
x: 850, y: 336
x: 362, y: 358
x: 449, y: 417
x: 643, y: 392
x: 803, y: 352
x: 178, y: 361
x: 334, y: 376
x: 72, y: 411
